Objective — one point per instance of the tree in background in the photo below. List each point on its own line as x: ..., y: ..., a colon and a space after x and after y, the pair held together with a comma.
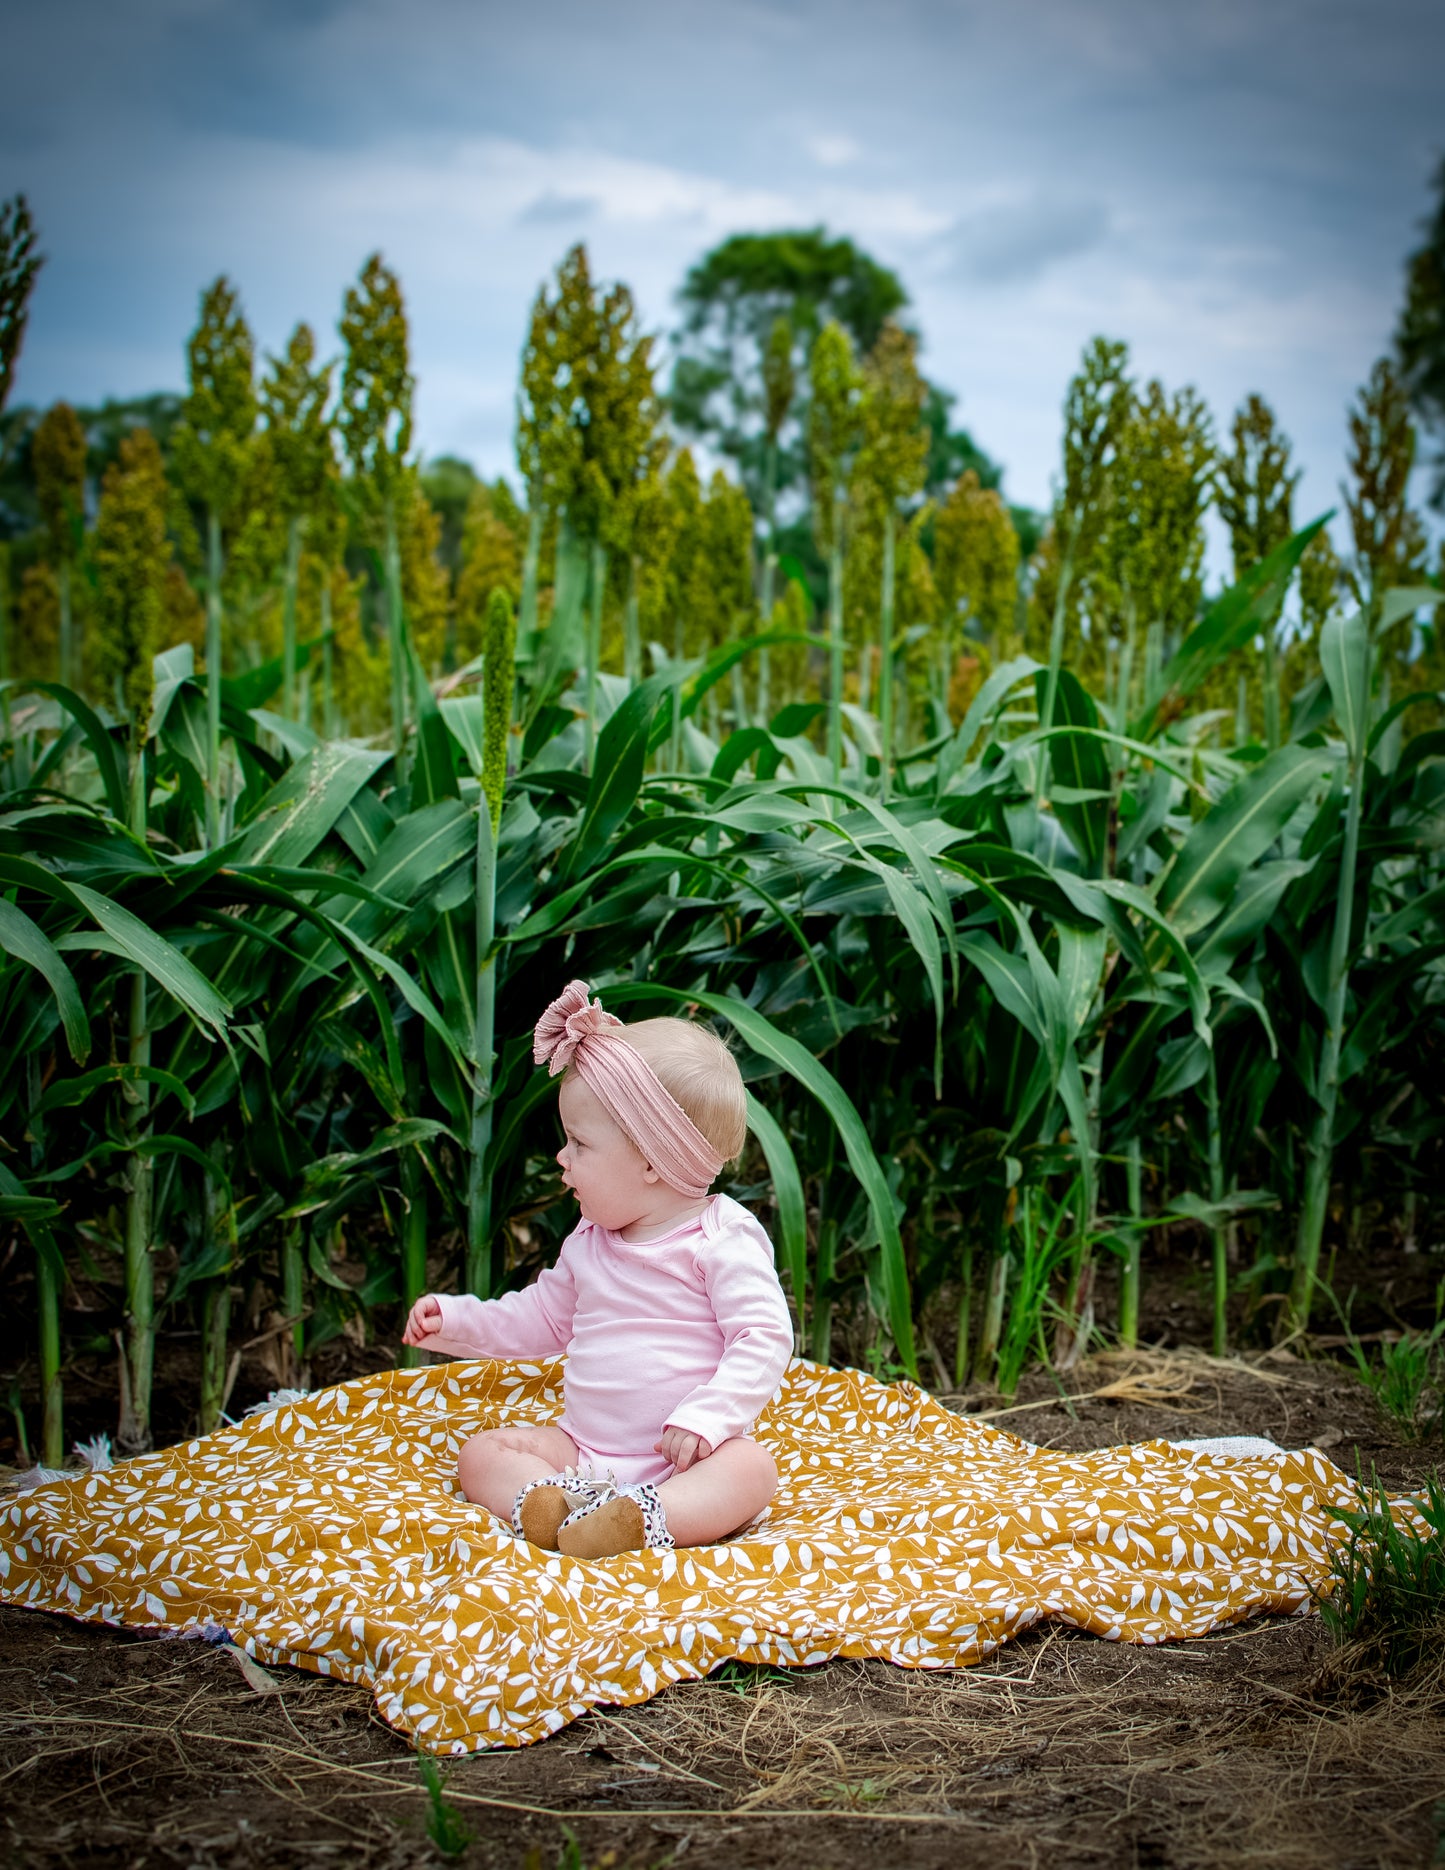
x: 834, y: 430
x: 374, y: 419
x: 294, y: 398
x: 975, y: 568
x: 780, y: 383
x: 1420, y: 335
x: 892, y: 462
x: 732, y: 302
x: 213, y: 445
x: 58, y: 458
x: 19, y: 266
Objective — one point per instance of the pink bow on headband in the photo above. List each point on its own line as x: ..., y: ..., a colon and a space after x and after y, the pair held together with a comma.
x: 576, y: 1031
x: 570, y: 1019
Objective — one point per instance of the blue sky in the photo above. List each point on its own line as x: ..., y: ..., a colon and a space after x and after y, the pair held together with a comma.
x: 1230, y: 187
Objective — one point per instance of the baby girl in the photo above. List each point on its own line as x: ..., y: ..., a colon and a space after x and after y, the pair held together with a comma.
x: 664, y: 1299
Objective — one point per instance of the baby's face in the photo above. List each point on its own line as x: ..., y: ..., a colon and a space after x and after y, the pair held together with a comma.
x: 600, y: 1163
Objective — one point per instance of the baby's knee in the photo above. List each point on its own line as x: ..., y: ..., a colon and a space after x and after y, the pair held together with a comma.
x: 475, y: 1462
x: 759, y: 1469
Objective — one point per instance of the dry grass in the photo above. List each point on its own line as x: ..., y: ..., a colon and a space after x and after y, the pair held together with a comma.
x: 1257, y: 1746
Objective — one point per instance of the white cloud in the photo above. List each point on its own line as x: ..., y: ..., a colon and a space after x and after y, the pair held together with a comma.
x: 832, y: 151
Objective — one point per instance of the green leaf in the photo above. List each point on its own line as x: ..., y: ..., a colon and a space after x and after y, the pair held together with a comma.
x: 99, y: 739
x: 788, y: 1194
x: 305, y: 803
x: 67, y: 1091
x: 1080, y: 767
x: 126, y: 935
x: 765, y: 1039
x: 29, y: 943
x: 621, y: 753
x: 1346, y: 658
x: 434, y: 772
x: 1245, y: 609
x: 1236, y: 833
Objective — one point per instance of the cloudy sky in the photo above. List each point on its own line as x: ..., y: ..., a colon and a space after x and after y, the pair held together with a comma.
x: 1230, y: 186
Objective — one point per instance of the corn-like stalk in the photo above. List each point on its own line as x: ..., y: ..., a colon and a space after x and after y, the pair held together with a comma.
x: 216, y: 1312
x: 835, y: 653
x: 396, y: 640
x: 293, y: 1289
x: 328, y: 672
x: 990, y: 1330
x: 598, y: 565
x: 965, y: 1317
x: 213, y: 677
x: 1347, y: 650
x: 885, y: 650
x: 288, y: 617
x: 133, y: 1434
x: 413, y: 1242
x: 1218, y: 1237
x: 1129, y: 1276
x: 500, y: 652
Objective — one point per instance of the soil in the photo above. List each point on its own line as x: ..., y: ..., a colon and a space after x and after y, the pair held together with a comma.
x: 120, y: 1749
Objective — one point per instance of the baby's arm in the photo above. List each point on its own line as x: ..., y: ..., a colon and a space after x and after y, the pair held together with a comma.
x: 752, y: 1314
x: 534, y: 1322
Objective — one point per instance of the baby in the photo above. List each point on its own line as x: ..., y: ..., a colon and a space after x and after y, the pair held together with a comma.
x: 664, y: 1300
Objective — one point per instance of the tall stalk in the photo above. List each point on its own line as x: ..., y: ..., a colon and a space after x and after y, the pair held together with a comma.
x: 1218, y: 1236
x: 133, y: 1434
x: 479, y: 1269
x: 1271, y: 689
x: 1129, y: 1276
x: 213, y: 678
x: 67, y: 628
x: 598, y: 582
x: 293, y: 1292
x: 1056, y: 635
x: 49, y: 1275
x: 501, y: 646
x: 288, y: 617
x: 1320, y: 1149
x: 631, y: 631
x: 885, y: 649
x: 835, y: 653
x: 216, y: 1311
x: 413, y: 1242
x: 769, y: 570
x: 396, y: 639
x: 328, y: 670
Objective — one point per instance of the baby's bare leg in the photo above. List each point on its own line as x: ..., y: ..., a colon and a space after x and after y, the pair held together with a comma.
x: 717, y: 1495
x: 494, y: 1466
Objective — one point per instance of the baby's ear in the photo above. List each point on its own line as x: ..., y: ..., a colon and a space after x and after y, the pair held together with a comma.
x: 649, y: 1174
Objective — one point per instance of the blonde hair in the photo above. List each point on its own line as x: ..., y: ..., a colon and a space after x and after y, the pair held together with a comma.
x: 695, y: 1066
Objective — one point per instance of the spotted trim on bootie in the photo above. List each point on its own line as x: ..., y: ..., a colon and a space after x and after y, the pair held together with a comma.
x: 578, y: 1487
x: 626, y: 1519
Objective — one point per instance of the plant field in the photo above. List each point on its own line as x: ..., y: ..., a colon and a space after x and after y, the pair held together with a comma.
x: 1058, y: 908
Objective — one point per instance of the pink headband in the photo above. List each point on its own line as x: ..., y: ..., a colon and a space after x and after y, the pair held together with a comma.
x: 576, y: 1031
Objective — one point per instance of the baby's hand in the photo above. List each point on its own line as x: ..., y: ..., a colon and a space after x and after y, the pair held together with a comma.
x: 682, y: 1448
x: 426, y: 1317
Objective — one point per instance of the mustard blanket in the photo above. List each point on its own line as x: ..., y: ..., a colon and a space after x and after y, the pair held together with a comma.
x: 330, y: 1534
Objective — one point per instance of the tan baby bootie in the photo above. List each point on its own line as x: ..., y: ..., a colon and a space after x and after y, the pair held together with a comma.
x: 628, y: 1519
x: 542, y: 1505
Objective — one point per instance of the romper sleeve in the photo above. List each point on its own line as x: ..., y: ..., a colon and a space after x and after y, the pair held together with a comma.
x: 752, y: 1313
x: 533, y: 1322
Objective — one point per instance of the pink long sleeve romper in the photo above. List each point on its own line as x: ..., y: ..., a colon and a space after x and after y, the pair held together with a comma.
x: 690, y: 1330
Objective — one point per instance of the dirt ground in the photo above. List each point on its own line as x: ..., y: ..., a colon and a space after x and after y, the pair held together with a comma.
x: 123, y: 1750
